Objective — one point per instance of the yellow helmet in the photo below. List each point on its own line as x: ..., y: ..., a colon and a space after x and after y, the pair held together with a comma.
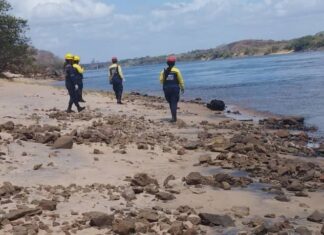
x: 68, y: 56
x: 76, y: 58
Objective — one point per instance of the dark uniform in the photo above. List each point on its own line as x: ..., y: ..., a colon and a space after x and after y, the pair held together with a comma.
x: 70, y: 83
x: 172, y: 81
x: 116, y: 79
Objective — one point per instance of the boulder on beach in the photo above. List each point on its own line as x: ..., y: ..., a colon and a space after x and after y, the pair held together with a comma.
x: 216, y: 105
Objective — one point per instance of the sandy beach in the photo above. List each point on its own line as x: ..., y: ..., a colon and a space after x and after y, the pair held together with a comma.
x: 131, y: 171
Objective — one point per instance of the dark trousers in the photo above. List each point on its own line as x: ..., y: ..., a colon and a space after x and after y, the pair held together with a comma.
x: 73, y: 96
x: 80, y: 89
x: 172, y: 95
x: 118, y: 89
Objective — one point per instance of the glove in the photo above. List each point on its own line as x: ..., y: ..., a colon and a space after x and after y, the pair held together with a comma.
x: 182, y: 91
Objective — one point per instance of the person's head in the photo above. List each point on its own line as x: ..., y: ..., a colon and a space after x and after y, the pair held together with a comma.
x: 76, y: 59
x: 171, y: 61
x: 68, y: 58
x: 114, y: 60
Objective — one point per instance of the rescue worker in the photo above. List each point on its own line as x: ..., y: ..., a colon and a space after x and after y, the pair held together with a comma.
x: 70, y: 83
x: 172, y: 82
x: 79, y: 79
x: 116, y: 78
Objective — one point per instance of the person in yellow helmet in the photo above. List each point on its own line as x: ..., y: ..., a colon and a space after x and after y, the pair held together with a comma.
x: 71, y: 83
x: 79, y: 71
x: 172, y: 82
x: 116, y: 78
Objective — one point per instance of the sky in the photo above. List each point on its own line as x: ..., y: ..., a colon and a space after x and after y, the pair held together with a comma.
x: 100, y: 29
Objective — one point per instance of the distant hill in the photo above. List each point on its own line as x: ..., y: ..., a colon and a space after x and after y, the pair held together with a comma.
x: 242, y: 48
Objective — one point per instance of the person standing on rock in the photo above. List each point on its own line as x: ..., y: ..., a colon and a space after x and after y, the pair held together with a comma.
x: 71, y: 83
x: 172, y: 82
x: 79, y: 79
x: 116, y: 78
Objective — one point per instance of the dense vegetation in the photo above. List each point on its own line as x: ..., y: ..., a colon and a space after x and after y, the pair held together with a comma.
x: 16, y: 53
x: 236, y: 49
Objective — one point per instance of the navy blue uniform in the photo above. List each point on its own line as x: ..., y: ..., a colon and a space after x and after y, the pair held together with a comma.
x: 116, y: 80
x: 70, y: 82
x: 171, y: 88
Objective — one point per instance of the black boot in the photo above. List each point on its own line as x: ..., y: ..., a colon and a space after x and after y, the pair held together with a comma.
x: 80, y: 109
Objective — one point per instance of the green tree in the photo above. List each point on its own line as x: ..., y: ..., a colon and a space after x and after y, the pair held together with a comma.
x: 14, y: 49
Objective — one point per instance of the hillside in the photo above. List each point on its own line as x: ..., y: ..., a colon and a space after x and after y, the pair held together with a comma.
x: 242, y: 48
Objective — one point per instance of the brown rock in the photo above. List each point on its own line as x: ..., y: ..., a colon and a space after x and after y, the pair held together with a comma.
x: 217, y: 220
x: 166, y: 181
x: 64, y: 142
x: 129, y: 194
x: 165, y: 196
x: 316, y: 217
x: 124, y: 227
x: 282, y: 133
x: 19, y: 213
x: 48, y: 205
x: 37, y: 167
x: 206, y: 158
x: 7, y: 188
x: 241, y: 211
x: 99, y: 219
x: 149, y: 215
x: 192, y: 145
x: 194, y: 219
x: 181, y: 151
x: 194, y: 178
x: 142, y: 179
x: 97, y: 151
x: 282, y: 198
x: 176, y: 228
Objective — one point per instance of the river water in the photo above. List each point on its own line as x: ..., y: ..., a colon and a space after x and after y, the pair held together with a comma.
x: 290, y: 84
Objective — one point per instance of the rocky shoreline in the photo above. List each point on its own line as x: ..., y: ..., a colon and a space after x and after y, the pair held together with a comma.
x: 127, y: 170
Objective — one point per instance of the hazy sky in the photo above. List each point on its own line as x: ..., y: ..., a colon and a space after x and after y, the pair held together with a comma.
x: 99, y: 29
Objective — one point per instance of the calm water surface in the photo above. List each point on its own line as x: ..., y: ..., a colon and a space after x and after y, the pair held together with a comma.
x: 283, y: 84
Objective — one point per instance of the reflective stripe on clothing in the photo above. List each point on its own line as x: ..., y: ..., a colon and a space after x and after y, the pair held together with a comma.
x: 174, y: 78
x: 114, y: 72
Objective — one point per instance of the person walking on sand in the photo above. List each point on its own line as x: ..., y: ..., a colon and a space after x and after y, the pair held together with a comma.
x: 79, y: 78
x: 116, y: 78
x: 70, y: 83
x: 172, y: 82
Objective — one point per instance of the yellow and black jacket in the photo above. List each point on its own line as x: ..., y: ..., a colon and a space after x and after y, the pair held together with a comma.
x: 172, y: 78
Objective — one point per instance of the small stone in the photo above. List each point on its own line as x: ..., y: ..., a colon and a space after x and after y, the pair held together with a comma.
x: 226, y: 186
x: 181, y: 151
x: 48, y: 205
x: 96, y: 159
x: 272, y: 216
x: 191, y: 145
x: 64, y: 142
x: 282, y: 198
x: 206, y: 158
x: 241, y: 211
x: 303, y: 231
x: 165, y: 196
x: 316, y: 217
x: 97, y: 151
x: 194, y: 219
x: 37, y: 167
x: 124, y: 227
x: 99, y: 219
x: 129, y: 194
x: 217, y: 220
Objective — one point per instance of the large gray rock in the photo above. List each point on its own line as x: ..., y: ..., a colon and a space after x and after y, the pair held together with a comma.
x: 64, y: 142
x: 217, y: 220
x: 99, y: 219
